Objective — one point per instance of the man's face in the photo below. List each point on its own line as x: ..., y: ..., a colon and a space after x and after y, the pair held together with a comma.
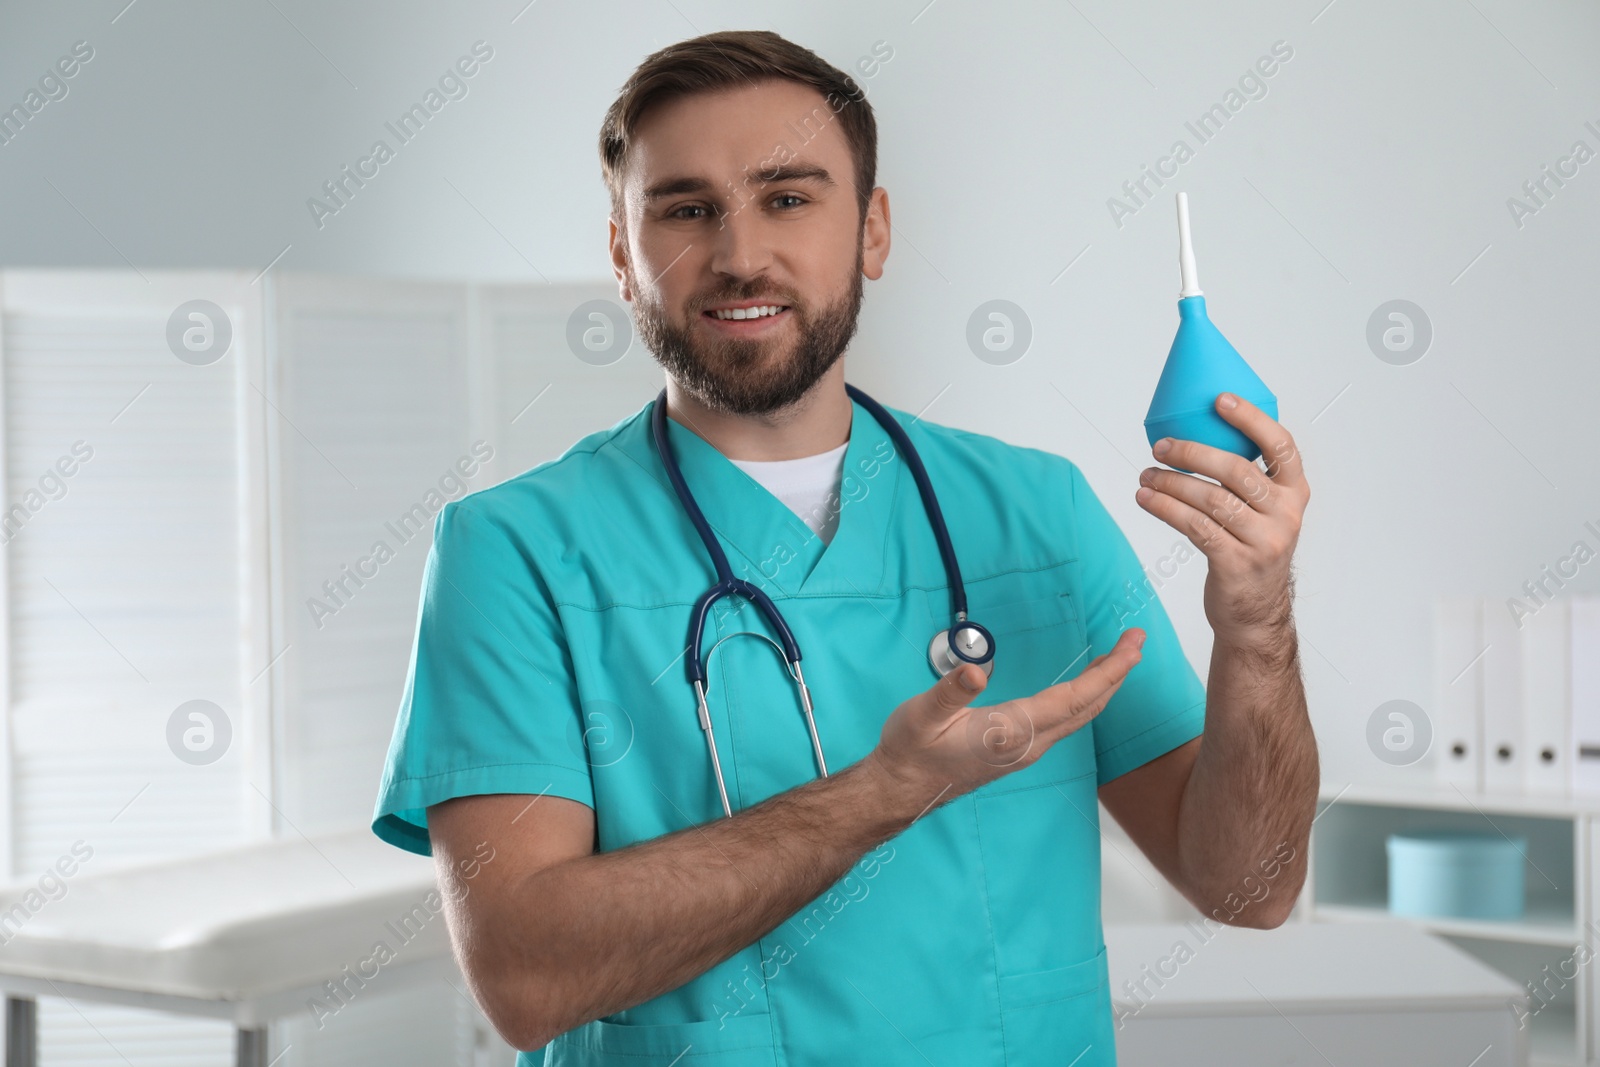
x: 737, y: 198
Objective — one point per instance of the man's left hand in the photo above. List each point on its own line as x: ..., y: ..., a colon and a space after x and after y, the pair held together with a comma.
x: 1246, y: 526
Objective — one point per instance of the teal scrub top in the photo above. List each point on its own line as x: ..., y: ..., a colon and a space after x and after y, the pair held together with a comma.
x: 548, y: 659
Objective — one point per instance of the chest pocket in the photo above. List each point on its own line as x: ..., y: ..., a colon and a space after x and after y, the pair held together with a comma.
x: 1039, y: 642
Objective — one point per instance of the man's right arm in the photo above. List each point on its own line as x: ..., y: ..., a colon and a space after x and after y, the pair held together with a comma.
x: 556, y: 935
x: 551, y: 934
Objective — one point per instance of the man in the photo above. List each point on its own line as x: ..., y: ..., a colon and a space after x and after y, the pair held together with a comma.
x: 935, y: 897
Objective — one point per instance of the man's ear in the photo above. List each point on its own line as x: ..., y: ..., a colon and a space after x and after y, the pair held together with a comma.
x: 875, y: 234
x: 617, y: 247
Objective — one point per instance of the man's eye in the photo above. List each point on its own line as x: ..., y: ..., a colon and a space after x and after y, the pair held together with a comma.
x: 679, y: 212
x: 790, y: 196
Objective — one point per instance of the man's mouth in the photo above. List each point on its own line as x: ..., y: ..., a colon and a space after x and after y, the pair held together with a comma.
x: 741, y: 314
x: 747, y: 321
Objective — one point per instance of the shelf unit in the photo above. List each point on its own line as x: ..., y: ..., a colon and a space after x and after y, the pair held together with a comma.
x: 1554, y: 947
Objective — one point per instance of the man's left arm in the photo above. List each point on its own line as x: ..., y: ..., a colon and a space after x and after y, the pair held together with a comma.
x: 1227, y: 816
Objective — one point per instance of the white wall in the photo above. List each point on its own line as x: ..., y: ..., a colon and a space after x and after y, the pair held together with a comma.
x: 1377, y: 166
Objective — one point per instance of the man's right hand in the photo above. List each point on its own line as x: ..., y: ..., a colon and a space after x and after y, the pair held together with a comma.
x: 937, y: 745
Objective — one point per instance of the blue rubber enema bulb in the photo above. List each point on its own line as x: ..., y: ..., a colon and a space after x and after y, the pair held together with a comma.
x: 1201, y: 364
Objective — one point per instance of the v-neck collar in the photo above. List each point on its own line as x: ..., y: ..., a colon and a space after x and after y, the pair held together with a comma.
x: 767, y: 543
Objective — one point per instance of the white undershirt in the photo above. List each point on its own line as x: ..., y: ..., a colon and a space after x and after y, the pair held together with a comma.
x: 808, y: 485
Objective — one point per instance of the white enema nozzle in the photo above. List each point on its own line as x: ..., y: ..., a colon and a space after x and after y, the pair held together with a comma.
x: 1186, y: 271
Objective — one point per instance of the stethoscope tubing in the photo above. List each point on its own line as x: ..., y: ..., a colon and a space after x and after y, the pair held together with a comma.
x: 930, y: 502
x: 727, y: 585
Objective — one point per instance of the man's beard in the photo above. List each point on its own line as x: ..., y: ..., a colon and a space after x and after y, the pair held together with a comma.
x: 747, y: 376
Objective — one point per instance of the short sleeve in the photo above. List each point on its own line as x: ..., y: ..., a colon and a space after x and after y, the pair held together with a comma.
x: 1162, y: 703
x: 490, y: 702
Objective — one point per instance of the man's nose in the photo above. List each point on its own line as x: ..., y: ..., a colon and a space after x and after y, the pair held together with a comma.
x: 741, y: 243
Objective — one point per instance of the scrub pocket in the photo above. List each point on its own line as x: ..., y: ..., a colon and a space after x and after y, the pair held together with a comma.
x: 1059, y: 1016
x: 1039, y: 642
x: 743, y: 1040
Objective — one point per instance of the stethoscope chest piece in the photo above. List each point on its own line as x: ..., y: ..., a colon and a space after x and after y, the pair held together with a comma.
x: 965, y: 642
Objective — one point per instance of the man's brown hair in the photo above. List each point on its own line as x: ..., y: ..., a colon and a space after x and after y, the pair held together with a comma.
x: 730, y: 59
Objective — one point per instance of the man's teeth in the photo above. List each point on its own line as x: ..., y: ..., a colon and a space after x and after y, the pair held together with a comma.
x: 749, y: 313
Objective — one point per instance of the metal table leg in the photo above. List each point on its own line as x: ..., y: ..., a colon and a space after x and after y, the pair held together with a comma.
x: 22, y: 1032
x: 252, y: 1048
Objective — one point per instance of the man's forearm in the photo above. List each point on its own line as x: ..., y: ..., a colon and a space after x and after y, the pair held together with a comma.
x: 1245, y: 818
x: 607, y: 931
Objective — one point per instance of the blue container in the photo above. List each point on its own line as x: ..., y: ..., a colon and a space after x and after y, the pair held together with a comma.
x: 1456, y: 874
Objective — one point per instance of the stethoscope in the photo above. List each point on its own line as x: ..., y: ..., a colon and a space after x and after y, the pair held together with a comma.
x: 964, y: 642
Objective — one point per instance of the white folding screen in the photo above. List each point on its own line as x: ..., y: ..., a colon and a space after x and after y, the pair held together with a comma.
x: 135, y: 583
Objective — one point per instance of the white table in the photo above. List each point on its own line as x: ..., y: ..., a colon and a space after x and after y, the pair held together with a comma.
x: 249, y: 935
x: 1379, y: 994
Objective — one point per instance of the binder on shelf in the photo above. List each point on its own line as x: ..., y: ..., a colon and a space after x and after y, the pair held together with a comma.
x: 1503, y: 731
x: 1584, y: 650
x: 1458, y: 692
x: 1546, y: 699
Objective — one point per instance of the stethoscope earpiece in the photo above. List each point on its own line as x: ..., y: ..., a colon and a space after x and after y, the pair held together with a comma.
x: 965, y: 642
